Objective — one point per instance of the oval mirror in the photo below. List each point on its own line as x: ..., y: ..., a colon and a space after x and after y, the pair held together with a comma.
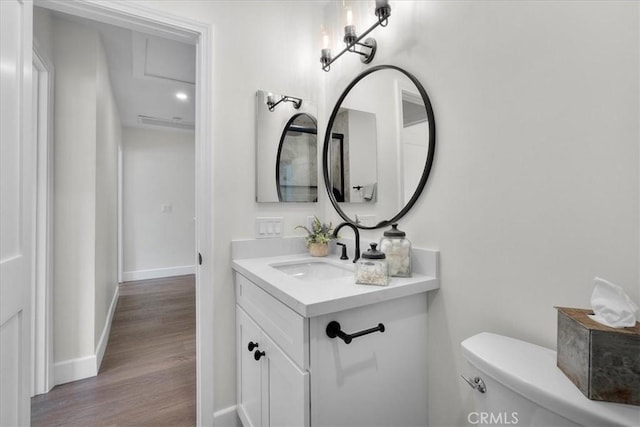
x: 297, y: 160
x: 379, y: 146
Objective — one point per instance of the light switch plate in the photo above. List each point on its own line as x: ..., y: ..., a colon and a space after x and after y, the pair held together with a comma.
x: 268, y: 227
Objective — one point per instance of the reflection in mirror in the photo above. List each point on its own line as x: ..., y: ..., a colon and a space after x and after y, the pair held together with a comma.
x: 353, y: 156
x: 297, y: 161
x: 414, y: 145
x: 382, y: 174
x: 286, y: 134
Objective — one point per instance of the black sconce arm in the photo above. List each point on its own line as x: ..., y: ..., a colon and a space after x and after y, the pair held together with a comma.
x: 297, y: 102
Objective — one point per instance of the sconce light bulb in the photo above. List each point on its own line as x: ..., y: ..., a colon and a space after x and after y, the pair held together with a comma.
x: 350, y: 35
x: 325, y: 58
x: 325, y: 41
x: 349, y: 29
x: 270, y: 99
x: 181, y: 96
x: 383, y: 11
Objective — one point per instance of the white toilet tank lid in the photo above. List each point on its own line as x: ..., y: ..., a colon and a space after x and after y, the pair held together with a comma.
x: 531, y: 371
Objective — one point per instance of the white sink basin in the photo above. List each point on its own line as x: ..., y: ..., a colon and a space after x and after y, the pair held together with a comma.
x: 314, y: 270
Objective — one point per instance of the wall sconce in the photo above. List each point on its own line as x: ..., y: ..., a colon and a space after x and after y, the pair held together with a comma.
x: 272, y: 103
x: 352, y: 40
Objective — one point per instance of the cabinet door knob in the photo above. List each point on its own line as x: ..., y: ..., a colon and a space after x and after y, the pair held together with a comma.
x: 252, y: 345
x: 258, y: 354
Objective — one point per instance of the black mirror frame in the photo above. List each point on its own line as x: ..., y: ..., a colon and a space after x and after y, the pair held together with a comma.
x: 428, y: 163
x: 282, y: 138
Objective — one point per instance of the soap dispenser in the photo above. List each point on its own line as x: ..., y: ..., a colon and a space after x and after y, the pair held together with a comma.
x: 372, y: 268
x: 397, y: 249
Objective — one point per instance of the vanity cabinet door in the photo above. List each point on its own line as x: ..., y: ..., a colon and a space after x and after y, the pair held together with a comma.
x: 249, y: 378
x: 379, y: 379
x: 286, y: 388
x: 272, y: 390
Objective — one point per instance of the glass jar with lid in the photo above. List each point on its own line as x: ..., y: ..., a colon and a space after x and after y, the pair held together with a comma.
x: 371, y: 268
x: 397, y: 249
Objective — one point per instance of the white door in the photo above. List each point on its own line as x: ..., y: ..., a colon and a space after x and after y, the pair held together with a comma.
x: 17, y: 197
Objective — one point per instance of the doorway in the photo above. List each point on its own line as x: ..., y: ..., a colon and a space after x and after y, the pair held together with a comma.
x: 138, y: 19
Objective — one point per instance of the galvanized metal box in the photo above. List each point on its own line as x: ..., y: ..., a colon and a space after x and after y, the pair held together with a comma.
x: 603, y: 362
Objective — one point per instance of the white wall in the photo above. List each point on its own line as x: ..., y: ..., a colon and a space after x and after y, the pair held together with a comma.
x: 159, y: 169
x: 535, y: 184
x: 74, y: 58
x: 86, y: 136
x: 108, y: 140
x: 534, y: 189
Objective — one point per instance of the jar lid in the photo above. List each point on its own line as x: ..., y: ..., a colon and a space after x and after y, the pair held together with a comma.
x: 373, y: 253
x: 394, y: 232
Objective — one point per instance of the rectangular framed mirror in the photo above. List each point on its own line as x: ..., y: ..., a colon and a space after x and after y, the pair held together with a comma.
x: 286, y: 149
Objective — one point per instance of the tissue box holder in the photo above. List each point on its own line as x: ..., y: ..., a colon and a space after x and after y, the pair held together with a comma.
x: 603, y: 362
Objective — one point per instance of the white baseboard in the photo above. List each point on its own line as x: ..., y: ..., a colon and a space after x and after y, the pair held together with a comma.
x: 226, y: 417
x: 88, y: 366
x: 104, y: 338
x: 74, y: 369
x: 157, y: 273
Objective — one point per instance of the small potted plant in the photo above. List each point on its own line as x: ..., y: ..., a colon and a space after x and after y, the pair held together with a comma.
x: 318, y: 237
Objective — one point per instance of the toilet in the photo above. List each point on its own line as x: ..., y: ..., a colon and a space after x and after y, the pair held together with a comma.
x: 523, y: 387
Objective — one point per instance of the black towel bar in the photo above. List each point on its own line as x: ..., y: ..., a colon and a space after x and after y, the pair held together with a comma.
x: 333, y: 330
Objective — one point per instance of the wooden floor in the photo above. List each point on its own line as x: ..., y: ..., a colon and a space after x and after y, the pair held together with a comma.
x: 148, y: 374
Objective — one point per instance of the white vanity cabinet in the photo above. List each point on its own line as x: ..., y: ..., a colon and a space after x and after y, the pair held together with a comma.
x: 306, y: 378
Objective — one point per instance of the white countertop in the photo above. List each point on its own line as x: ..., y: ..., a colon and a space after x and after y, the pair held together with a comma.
x: 316, y: 298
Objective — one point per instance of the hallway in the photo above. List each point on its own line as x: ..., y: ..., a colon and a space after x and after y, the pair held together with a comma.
x: 148, y: 375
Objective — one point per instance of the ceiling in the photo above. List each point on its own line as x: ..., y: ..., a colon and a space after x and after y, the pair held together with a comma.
x: 146, y: 72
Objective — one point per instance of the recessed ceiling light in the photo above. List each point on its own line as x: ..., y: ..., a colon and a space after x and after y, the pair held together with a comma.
x: 181, y: 96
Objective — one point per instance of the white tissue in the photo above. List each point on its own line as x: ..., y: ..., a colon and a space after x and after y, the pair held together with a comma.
x: 611, y: 305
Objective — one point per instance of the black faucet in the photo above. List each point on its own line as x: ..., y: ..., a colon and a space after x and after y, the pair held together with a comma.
x: 355, y: 231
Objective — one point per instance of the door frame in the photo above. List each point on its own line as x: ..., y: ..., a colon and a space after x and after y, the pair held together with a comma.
x: 41, y: 297
x: 141, y: 18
